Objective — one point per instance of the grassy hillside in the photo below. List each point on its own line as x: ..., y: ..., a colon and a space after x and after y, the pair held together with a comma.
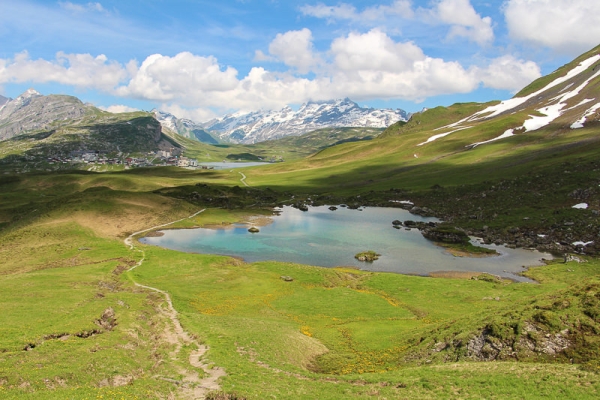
x: 326, y: 334
x: 286, y: 149
x: 112, y: 134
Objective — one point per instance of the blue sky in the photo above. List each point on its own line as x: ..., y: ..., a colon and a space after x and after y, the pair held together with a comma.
x: 200, y: 59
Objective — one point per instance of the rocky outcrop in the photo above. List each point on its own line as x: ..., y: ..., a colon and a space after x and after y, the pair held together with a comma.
x: 533, y: 340
x: 445, y: 235
x: 32, y: 111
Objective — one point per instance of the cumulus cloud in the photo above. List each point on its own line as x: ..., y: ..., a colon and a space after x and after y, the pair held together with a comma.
x: 165, y: 78
x: 81, y: 70
x: 295, y: 49
x: 372, y: 63
x: 363, y: 66
x: 119, y: 108
x: 464, y: 21
x: 195, y: 114
x: 568, y: 26
x: 509, y: 73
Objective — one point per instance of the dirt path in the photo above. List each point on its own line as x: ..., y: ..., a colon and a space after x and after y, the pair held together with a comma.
x: 243, y: 180
x: 191, y: 386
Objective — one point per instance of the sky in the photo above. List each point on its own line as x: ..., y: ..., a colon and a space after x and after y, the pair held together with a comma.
x: 202, y: 59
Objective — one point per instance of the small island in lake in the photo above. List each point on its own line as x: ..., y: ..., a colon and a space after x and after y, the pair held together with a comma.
x: 368, y: 256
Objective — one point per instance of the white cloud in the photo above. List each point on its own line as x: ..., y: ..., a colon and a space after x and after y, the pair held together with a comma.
x: 260, y: 56
x: 119, y: 108
x: 195, y: 114
x: 295, y: 49
x: 375, y: 51
x: 568, y: 26
x: 508, y: 73
x: 362, y: 66
x: 80, y: 70
x: 464, y: 21
x: 166, y: 78
x: 372, y: 65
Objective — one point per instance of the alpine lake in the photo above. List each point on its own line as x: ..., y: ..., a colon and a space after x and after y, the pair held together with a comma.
x: 331, y: 238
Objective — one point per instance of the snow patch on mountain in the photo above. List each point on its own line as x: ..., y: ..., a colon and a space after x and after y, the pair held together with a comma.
x: 554, y: 108
x: 579, y: 123
x: 259, y: 126
x: 507, y: 133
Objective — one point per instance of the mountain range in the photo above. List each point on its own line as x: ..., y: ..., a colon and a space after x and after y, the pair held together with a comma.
x: 260, y: 126
x: 184, y: 127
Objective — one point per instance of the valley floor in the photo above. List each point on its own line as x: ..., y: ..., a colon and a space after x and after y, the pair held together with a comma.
x: 86, y: 316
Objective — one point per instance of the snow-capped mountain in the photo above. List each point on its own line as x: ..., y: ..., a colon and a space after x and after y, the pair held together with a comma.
x: 183, y: 127
x: 259, y: 126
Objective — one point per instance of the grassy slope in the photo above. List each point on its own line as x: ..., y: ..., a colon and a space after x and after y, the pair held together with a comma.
x: 288, y: 148
x: 259, y: 325
x: 57, y: 279
x: 69, y: 254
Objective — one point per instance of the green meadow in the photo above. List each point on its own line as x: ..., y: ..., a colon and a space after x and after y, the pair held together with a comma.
x: 327, y: 334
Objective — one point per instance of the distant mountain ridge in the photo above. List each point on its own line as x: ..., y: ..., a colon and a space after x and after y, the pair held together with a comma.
x: 34, y: 128
x: 259, y: 126
x: 184, y: 127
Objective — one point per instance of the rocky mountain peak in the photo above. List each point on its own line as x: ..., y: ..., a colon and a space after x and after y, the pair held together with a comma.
x: 31, y: 92
x: 31, y: 111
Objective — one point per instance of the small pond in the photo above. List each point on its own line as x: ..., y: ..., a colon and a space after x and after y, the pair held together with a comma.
x: 328, y: 238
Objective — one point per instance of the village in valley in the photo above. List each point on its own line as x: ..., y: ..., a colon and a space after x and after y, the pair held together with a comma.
x: 159, y: 158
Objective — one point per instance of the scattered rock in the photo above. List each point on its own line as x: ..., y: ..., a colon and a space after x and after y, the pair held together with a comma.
x: 107, y: 321
x: 254, y: 230
x: 570, y: 257
x: 29, y: 347
x: 286, y: 278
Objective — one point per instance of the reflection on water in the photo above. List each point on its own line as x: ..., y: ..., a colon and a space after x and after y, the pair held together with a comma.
x: 331, y: 238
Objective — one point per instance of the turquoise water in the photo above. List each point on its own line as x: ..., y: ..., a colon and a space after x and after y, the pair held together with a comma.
x: 328, y: 238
